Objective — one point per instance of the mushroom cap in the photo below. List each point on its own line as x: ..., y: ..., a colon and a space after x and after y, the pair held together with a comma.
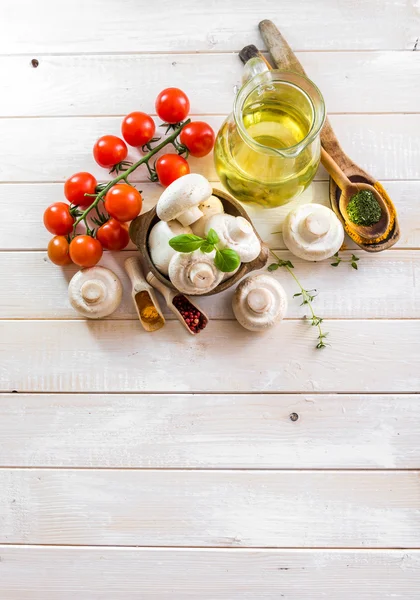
x: 182, y: 196
x: 158, y: 241
x: 313, y: 232
x: 236, y: 233
x: 259, y: 302
x: 194, y: 273
x: 211, y: 206
x: 95, y: 292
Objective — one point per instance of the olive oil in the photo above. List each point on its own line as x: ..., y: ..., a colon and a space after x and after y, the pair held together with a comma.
x: 260, y: 154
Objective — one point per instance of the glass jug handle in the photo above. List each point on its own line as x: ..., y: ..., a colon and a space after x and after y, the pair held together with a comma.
x: 254, y: 66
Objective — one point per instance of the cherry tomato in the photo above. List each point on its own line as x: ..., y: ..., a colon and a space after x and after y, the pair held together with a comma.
x: 113, y: 235
x: 170, y: 167
x: 58, y: 250
x: 85, y: 251
x: 198, y: 137
x: 77, y: 186
x: 172, y: 105
x: 109, y: 150
x: 138, y: 128
x: 57, y: 219
x: 123, y: 202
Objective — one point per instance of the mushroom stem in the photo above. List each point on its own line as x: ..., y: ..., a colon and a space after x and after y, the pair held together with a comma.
x: 315, y: 226
x: 93, y: 291
x: 239, y: 229
x: 260, y: 300
x: 190, y: 216
x: 201, y: 275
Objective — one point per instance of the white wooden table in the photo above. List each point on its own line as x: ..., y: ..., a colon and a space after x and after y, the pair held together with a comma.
x: 139, y: 466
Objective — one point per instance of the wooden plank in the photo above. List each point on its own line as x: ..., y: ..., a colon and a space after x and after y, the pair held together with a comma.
x: 375, y: 298
x: 115, y: 356
x: 276, y: 509
x: 23, y: 205
x: 214, y: 26
x: 77, y: 85
x: 55, y: 148
x: 210, y: 431
x: 63, y: 573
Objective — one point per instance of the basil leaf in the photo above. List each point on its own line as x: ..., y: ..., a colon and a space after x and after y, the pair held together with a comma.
x: 212, y: 237
x: 207, y: 248
x: 227, y: 260
x: 186, y: 242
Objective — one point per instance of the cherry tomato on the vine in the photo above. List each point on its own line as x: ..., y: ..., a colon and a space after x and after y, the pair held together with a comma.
x: 172, y: 105
x: 58, y: 250
x: 138, y: 128
x: 85, y: 251
x: 170, y: 167
x: 113, y: 235
x: 198, y: 137
x: 123, y: 202
x: 109, y: 150
x: 57, y: 219
x: 77, y: 186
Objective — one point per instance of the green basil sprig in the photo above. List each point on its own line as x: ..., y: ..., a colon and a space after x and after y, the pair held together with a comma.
x: 226, y: 259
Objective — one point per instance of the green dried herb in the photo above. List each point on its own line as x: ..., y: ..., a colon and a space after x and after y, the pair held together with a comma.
x: 364, y: 209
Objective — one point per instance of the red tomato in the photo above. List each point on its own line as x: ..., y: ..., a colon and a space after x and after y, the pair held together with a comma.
x: 57, y: 219
x: 170, y: 167
x: 77, y: 186
x: 58, y: 250
x: 109, y: 150
x: 138, y: 128
x: 113, y: 235
x: 85, y: 251
x: 123, y: 202
x: 172, y: 105
x: 198, y: 137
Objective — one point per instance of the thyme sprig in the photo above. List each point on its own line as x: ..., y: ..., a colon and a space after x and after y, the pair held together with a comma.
x: 307, y: 297
x: 353, y: 261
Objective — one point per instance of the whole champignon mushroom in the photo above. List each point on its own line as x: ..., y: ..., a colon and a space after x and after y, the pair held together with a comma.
x: 236, y: 233
x: 211, y: 206
x: 95, y: 292
x: 180, y: 200
x: 194, y: 273
x: 259, y: 302
x: 159, y: 236
x: 313, y: 232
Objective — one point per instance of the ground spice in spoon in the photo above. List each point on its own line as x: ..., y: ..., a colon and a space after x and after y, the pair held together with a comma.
x: 364, y: 209
x: 194, y: 318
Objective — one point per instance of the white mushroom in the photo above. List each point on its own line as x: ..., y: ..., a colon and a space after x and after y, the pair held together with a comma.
x: 313, y: 232
x: 194, y: 273
x: 211, y: 206
x: 259, y: 302
x: 95, y: 292
x: 236, y: 233
x: 180, y: 200
x: 159, y: 248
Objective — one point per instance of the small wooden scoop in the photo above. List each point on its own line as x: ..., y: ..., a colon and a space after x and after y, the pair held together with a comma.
x: 170, y: 296
x: 387, y: 231
x: 144, y: 297
x: 348, y: 190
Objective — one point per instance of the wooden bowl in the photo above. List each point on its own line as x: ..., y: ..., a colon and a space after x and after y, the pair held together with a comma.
x: 141, y: 226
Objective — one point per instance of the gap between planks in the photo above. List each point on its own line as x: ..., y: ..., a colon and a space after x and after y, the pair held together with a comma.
x: 262, y: 549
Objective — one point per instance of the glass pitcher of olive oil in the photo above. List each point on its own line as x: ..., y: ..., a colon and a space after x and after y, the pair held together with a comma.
x: 268, y: 150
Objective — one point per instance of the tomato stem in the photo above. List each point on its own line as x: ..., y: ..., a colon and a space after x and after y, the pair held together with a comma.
x: 125, y: 174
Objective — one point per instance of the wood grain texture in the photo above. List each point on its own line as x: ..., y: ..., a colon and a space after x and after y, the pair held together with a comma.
x: 213, y: 27
x: 210, y: 431
x: 116, y: 356
x: 276, y: 509
x: 41, y: 573
x: 79, y: 85
x: 375, y: 298
x: 387, y: 146
x: 23, y: 205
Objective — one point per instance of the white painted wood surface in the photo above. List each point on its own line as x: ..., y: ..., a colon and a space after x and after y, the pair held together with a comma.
x: 116, y: 439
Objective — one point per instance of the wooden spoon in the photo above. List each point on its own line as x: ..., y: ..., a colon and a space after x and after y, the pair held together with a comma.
x: 348, y: 190
x: 286, y: 60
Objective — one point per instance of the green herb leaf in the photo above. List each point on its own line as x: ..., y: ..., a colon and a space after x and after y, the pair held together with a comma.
x: 354, y: 265
x: 286, y: 263
x: 335, y: 264
x: 273, y: 267
x: 186, y: 242
x: 227, y: 260
x: 354, y: 257
x: 207, y: 248
x: 212, y: 237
